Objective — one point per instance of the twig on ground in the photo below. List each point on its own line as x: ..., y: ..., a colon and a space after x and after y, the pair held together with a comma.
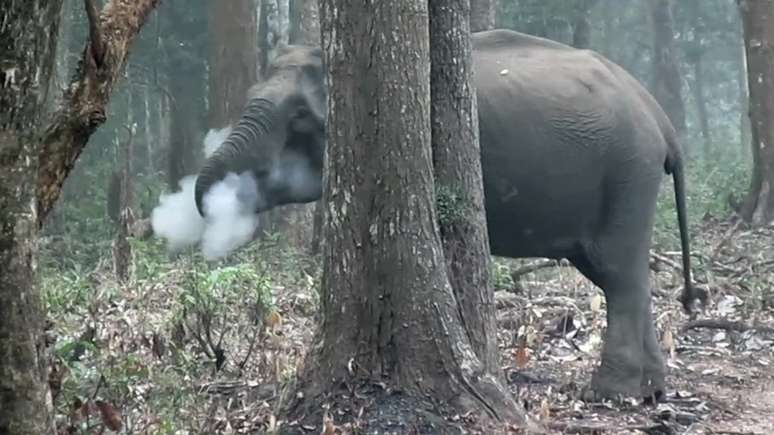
x: 728, y: 325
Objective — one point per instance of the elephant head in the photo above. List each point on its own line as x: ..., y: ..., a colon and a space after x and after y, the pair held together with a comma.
x: 280, y: 138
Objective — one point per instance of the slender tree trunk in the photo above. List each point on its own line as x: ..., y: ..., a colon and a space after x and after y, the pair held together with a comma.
x: 122, y: 250
x: 758, y: 21
x: 389, y: 314
x: 482, y: 14
x: 745, y: 133
x: 457, y: 164
x: 701, y: 105
x: 304, y: 22
x: 233, y: 58
x: 667, y: 86
x: 581, y: 26
x: 28, y: 40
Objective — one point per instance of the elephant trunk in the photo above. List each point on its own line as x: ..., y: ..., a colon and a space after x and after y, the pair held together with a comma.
x: 241, y: 150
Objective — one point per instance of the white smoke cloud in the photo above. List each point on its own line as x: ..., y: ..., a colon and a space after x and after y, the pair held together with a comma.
x: 231, y: 221
x: 229, y: 208
x: 176, y: 218
x: 214, y: 138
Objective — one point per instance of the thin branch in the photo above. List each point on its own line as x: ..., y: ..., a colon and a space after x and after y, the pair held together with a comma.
x: 727, y: 325
x: 95, y: 32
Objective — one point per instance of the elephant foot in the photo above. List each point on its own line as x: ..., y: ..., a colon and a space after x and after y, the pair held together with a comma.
x: 609, y: 383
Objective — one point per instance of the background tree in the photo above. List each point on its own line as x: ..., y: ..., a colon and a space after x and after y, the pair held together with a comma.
x: 667, y: 86
x: 758, y: 20
x: 482, y: 14
x: 304, y: 22
x: 457, y: 169
x: 385, y: 294
x: 581, y: 26
x: 184, y: 47
x: 233, y: 58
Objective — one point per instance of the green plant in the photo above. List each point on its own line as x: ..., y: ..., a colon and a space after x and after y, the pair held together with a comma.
x: 450, y: 204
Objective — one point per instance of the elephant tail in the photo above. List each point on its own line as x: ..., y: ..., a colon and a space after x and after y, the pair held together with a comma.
x: 690, y: 293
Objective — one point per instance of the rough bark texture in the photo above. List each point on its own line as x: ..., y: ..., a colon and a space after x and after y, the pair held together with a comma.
x: 388, y: 311
x: 86, y: 99
x: 27, y: 52
x: 581, y: 26
x: 482, y: 14
x: 666, y: 84
x: 459, y: 186
x: 233, y: 58
x: 758, y: 21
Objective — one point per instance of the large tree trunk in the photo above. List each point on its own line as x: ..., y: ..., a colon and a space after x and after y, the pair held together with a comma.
x: 389, y: 314
x: 28, y: 41
x: 758, y: 21
x: 459, y: 186
x: 233, y: 58
x: 666, y: 83
x: 482, y: 14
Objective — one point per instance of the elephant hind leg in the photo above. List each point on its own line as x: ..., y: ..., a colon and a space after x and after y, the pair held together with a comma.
x: 652, y: 367
x: 620, y: 371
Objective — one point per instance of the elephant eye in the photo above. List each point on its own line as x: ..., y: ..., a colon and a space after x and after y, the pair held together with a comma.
x: 302, y: 112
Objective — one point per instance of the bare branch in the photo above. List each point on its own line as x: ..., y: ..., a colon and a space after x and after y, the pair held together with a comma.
x: 85, y: 104
x: 95, y: 33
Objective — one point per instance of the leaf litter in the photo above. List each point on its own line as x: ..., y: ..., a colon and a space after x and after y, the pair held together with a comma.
x: 159, y: 379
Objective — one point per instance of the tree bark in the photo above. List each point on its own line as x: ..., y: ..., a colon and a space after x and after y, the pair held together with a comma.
x: 27, y: 53
x: 185, y: 66
x: 758, y: 22
x: 667, y: 86
x: 482, y: 14
x: 122, y: 250
x: 86, y: 100
x: 233, y: 58
x: 389, y: 314
x: 457, y: 165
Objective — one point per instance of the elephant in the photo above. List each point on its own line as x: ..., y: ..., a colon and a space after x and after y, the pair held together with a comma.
x: 573, y: 152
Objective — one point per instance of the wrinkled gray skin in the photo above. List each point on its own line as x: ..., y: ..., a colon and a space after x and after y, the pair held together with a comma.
x: 573, y: 152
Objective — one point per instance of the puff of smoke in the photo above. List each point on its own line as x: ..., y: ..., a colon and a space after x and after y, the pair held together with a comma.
x: 229, y: 206
x: 176, y: 218
x: 231, y: 219
x: 214, y: 138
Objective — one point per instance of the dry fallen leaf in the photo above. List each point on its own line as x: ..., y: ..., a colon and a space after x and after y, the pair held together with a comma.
x: 111, y: 417
x: 521, y: 354
x: 668, y: 342
x: 328, y: 427
x: 274, y: 320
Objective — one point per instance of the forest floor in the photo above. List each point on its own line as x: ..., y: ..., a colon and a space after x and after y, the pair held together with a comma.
x: 154, y: 356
